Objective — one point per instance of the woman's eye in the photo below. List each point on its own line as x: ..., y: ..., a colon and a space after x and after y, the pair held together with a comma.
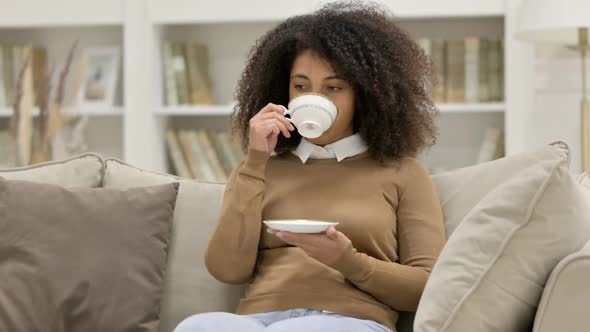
x: 299, y: 86
x: 334, y: 88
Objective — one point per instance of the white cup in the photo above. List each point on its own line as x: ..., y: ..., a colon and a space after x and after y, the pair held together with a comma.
x: 311, y: 114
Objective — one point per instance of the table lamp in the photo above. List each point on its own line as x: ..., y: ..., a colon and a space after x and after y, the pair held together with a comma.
x: 566, y: 22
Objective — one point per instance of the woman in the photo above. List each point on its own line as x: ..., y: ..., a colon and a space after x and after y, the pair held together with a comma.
x: 361, y: 172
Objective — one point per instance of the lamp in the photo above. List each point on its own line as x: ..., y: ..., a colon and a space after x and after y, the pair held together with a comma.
x: 566, y: 22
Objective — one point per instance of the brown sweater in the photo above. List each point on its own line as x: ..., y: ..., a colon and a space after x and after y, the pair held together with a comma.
x: 391, y: 214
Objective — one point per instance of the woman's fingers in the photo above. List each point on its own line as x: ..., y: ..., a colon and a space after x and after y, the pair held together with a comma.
x: 281, y: 126
x: 270, y: 108
x: 284, y: 120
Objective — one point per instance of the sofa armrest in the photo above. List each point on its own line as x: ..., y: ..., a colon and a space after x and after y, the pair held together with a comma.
x: 566, y: 298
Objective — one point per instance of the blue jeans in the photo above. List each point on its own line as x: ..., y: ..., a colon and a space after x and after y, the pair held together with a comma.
x: 294, y: 320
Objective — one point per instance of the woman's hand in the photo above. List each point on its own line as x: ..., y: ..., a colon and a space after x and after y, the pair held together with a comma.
x: 326, y: 247
x: 265, y: 127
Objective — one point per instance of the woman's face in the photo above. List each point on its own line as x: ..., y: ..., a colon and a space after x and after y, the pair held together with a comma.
x: 312, y: 74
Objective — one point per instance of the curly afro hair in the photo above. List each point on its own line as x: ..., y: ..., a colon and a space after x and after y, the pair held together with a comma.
x: 390, y: 74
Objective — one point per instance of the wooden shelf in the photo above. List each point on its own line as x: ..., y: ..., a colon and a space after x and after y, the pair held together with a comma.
x: 90, y: 111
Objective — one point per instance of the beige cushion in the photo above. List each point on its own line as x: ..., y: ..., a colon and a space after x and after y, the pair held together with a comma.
x: 564, y: 305
x: 189, y: 287
x: 460, y: 190
x: 84, y: 170
x: 491, y: 273
x: 585, y: 180
x: 82, y: 259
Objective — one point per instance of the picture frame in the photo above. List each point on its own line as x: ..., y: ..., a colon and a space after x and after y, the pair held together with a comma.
x: 100, y: 74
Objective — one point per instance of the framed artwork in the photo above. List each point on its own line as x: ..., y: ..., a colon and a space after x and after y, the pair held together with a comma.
x: 100, y: 67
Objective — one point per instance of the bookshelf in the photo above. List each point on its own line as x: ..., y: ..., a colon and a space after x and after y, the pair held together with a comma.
x: 55, y: 27
x: 134, y: 129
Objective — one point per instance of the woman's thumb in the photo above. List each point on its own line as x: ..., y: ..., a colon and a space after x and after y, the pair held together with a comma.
x: 332, y: 233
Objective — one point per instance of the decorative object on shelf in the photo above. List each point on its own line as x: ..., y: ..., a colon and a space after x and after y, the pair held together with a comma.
x: 565, y: 22
x: 34, y: 139
x: 186, y: 74
x: 99, y: 68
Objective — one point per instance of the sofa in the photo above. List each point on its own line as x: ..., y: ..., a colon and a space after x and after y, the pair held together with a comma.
x: 189, y: 288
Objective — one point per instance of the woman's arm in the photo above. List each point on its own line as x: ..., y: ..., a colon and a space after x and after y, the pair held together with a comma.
x: 421, y: 236
x: 231, y: 254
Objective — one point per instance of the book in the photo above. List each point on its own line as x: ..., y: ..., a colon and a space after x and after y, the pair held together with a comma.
x: 191, y: 157
x: 175, y: 151
x: 471, y: 69
x: 171, y: 96
x: 181, y: 73
x: 483, y: 70
x: 224, y: 155
x: 494, y: 58
x: 210, y: 156
x: 208, y: 174
x: 198, y: 63
x: 455, y: 75
x: 235, y: 157
x: 438, y: 54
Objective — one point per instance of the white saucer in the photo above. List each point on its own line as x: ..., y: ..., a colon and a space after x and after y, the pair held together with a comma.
x: 299, y: 226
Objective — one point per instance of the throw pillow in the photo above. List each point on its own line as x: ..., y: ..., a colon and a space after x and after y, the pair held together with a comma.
x: 83, y: 259
x: 491, y: 273
x: 461, y: 189
x: 84, y: 170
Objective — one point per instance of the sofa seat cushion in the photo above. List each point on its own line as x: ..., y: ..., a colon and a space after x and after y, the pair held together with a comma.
x: 84, y: 170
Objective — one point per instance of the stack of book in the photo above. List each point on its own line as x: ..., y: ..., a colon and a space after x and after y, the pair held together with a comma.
x: 12, y: 59
x: 186, y: 74
x: 469, y: 70
x: 205, y: 155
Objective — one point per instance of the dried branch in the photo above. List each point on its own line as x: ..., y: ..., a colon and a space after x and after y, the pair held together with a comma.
x: 64, y: 73
x: 43, y: 94
x: 16, y: 113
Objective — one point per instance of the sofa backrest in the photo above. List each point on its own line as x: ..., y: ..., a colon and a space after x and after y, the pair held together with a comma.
x: 84, y: 170
x: 189, y: 288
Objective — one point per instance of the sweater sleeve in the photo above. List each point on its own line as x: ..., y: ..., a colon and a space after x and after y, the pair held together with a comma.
x: 231, y: 253
x: 421, y: 236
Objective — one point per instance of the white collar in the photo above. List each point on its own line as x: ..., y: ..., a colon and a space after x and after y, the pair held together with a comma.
x: 341, y: 149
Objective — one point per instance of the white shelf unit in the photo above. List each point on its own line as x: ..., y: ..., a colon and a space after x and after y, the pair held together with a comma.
x: 229, y: 39
x: 230, y: 28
